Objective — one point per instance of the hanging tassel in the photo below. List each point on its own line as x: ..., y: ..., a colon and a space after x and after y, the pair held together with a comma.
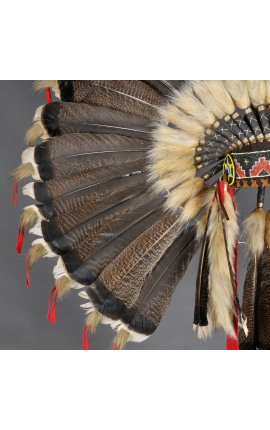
x: 51, y: 312
x: 222, y: 235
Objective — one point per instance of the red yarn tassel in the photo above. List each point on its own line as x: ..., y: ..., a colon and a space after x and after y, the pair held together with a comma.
x: 53, y: 308
x: 83, y: 335
x: 50, y: 301
x: 85, y: 338
x: 20, y: 237
x: 48, y: 95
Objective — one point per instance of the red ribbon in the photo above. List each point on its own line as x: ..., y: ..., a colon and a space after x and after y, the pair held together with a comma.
x: 51, y: 312
x: 232, y: 342
x: 85, y: 338
x: 48, y: 95
x: 20, y: 237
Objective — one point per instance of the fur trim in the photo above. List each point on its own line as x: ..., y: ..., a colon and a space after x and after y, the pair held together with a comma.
x: 63, y: 285
x: 201, y: 225
x: 170, y: 136
x: 36, y: 230
x: 29, y: 216
x: 191, y: 105
x: 171, y: 114
x: 28, y: 156
x: 41, y: 85
x: 38, y: 114
x: 168, y: 181
x: 93, y: 320
x: 267, y: 229
x: 34, y: 132
x: 213, y: 96
x: 180, y: 195
x: 165, y: 151
x: 121, y: 338
x: 194, y: 206
x: 221, y: 96
x: 239, y: 93
x: 257, y: 92
x: 24, y: 171
x: 267, y: 92
x: 254, y: 230
x: 60, y: 271
x: 221, y: 296
x: 35, y: 253
x: 42, y: 242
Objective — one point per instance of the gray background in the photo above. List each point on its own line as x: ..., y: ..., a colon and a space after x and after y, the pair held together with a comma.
x: 23, y: 311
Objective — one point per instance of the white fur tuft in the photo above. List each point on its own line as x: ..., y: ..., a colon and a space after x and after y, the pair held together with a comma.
x: 28, y: 190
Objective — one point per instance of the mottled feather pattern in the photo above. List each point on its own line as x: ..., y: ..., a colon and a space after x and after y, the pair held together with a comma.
x: 89, y: 271
x: 160, y: 284
x: 134, y: 97
x: 262, y: 305
x: 93, y: 227
x: 85, y: 143
x: 125, y: 275
x: 64, y: 118
x: 249, y: 296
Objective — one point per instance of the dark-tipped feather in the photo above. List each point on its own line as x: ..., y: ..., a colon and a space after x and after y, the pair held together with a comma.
x: 160, y: 284
x: 133, y: 97
x: 119, y: 284
x: 85, y: 143
x: 65, y: 118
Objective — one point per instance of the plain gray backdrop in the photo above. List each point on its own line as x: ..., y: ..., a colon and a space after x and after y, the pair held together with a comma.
x: 23, y: 311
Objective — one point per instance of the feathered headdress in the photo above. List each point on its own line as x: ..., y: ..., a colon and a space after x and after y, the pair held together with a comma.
x: 131, y: 179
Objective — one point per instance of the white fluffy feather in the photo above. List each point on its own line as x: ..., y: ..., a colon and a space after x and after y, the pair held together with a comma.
x: 221, y: 296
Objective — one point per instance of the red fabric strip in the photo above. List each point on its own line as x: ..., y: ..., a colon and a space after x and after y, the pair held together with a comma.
x: 53, y: 308
x: 48, y: 95
x: 220, y: 190
x: 86, y: 339
x: 232, y: 343
x: 20, y: 237
x: 115, y: 348
x: 50, y: 301
x: 83, y: 335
